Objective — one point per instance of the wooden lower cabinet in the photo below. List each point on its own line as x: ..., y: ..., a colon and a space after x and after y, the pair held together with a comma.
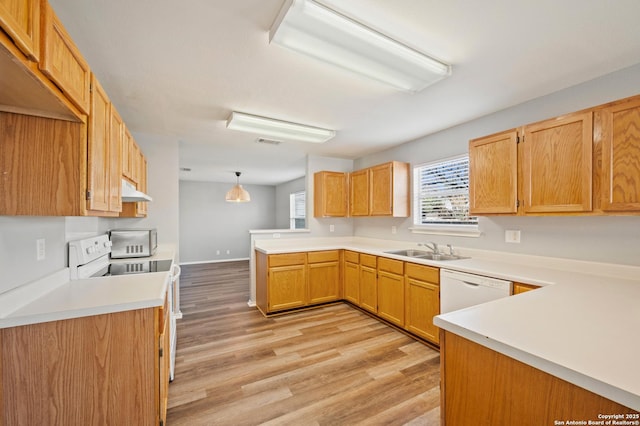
x: 422, y: 300
x: 296, y: 280
x: 391, y: 291
x: 102, y: 369
x: 351, y: 279
x: 323, y: 269
x: 482, y: 387
x: 368, y: 283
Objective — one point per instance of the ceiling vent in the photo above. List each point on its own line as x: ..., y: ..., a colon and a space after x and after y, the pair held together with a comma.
x: 268, y: 141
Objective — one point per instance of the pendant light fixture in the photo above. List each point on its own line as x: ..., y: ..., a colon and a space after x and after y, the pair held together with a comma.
x: 237, y: 194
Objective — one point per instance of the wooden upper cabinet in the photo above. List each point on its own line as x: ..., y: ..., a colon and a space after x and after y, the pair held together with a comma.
x: 381, y: 190
x: 389, y: 186
x: 359, y: 193
x: 62, y: 62
x: 330, y: 194
x: 557, y: 164
x: 20, y: 19
x: 116, y: 136
x: 141, y: 206
x: 493, y: 174
x: 620, y: 127
x: 98, y: 166
x: 127, y: 143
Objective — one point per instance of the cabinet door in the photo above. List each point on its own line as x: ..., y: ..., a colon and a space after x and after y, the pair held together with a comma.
x: 287, y: 287
x: 493, y: 174
x: 62, y: 62
x: 359, y: 193
x: 98, y: 166
x: 127, y: 147
x: 557, y: 156
x: 324, y: 282
x: 381, y: 184
x: 330, y: 194
x: 352, y: 282
x: 621, y: 157
x: 21, y: 20
x: 391, y: 297
x: 423, y: 303
x: 368, y: 289
x: 116, y: 135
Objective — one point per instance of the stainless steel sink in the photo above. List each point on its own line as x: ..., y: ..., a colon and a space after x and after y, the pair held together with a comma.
x: 427, y: 255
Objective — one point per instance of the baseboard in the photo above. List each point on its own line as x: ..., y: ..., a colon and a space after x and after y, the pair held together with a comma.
x: 200, y: 262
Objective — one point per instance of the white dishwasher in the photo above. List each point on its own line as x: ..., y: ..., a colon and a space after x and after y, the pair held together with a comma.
x: 460, y: 290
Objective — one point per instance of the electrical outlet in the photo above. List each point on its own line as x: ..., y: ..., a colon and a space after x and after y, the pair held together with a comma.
x: 332, y: 228
x: 276, y: 235
x: 512, y: 236
x: 394, y: 229
x: 40, y: 249
x: 217, y: 252
x: 228, y: 251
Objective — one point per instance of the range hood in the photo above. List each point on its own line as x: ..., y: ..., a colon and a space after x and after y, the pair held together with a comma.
x: 131, y: 194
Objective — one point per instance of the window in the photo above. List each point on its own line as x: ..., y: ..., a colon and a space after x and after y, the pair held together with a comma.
x: 441, y: 195
x: 297, y: 210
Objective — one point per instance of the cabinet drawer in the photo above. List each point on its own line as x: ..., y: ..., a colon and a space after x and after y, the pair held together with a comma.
x: 423, y: 273
x: 323, y: 256
x: 351, y: 256
x: 287, y: 259
x: 391, y: 265
x: 368, y: 260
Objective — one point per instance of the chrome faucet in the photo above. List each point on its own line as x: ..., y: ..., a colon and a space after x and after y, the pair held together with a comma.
x: 431, y: 245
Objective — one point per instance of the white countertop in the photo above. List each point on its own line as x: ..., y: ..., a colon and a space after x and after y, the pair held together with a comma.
x: 57, y: 297
x: 582, y: 326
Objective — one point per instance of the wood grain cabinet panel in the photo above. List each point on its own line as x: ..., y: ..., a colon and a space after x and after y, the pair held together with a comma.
x: 422, y: 301
x: 620, y: 127
x: 391, y: 290
x: 324, y: 282
x: 99, y: 145
x: 481, y: 386
x: 389, y: 189
x: 103, y: 369
x: 368, y: 283
x: 62, y: 62
x: 359, y: 193
x: 352, y: 281
x: 43, y: 165
x: 493, y: 174
x: 20, y: 19
x: 116, y: 136
x: 330, y: 197
x: 557, y: 164
x: 287, y: 287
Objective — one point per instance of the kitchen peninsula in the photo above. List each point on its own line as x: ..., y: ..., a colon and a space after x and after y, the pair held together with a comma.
x: 556, y: 329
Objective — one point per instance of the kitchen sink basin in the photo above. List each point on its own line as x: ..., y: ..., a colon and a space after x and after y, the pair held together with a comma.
x: 427, y: 255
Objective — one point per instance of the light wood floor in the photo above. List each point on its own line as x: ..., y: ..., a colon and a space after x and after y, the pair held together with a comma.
x: 329, y: 366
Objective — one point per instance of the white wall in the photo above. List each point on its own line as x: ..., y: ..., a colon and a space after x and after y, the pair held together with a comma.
x: 283, y: 192
x: 605, y: 239
x: 208, y: 223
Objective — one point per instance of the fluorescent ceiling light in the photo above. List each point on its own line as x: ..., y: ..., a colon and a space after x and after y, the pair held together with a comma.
x: 313, y: 29
x: 278, y: 129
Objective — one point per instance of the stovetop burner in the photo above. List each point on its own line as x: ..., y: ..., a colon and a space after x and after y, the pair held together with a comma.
x: 139, y: 267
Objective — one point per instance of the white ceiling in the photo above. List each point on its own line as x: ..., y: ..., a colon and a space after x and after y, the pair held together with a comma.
x: 178, y: 69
